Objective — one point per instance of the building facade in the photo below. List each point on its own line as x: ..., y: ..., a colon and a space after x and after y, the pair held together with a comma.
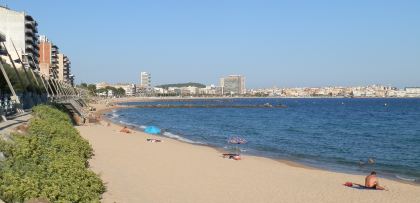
x: 63, y: 69
x: 233, y: 85
x: 145, y: 80
x: 412, y: 91
x: 48, y: 57
x: 20, y: 30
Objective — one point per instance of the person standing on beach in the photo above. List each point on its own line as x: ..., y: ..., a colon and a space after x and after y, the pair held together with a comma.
x: 371, y: 181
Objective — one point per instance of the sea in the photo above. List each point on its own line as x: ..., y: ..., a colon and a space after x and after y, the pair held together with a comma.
x: 352, y: 135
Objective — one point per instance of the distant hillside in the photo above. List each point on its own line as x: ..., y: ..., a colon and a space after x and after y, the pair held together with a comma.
x: 193, y: 84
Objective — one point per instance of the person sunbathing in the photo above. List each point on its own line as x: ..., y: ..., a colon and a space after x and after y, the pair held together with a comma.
x: 232, y: 156
x: 371, y: 181
x: 125, y: 130
x: 153, y: 140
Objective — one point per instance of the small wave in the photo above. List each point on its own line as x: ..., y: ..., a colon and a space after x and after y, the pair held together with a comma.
x: 177, y: 137
x: 113, y: 114
x: 128, y: 123
x: 406, y: 178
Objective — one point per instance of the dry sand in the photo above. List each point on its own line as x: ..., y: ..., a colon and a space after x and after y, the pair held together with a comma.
x: 172, y: 171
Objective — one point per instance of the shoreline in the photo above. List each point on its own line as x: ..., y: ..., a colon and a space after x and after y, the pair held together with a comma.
x: 176, y: 171
x: 290, y: 162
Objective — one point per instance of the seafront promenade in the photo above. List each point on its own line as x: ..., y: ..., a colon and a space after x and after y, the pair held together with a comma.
x: 135, y: 170
x: 13, y: 122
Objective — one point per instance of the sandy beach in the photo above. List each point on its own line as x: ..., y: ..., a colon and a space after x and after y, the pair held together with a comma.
x: 172, y: 171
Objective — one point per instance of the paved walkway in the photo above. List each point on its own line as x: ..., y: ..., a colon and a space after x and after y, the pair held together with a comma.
x: 14, y: 121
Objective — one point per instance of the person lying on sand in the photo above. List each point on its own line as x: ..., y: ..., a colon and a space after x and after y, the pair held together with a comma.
x: 153, y: 140
x: 371, y: 181
x: 125, y: 130
x: 232, y: 156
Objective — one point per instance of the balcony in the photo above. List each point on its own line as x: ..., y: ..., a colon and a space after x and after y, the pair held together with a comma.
x: 29, y: 32
x: 29, y: 18
x: 54, y: 50
x: 29, y: 39
x: 30, y: 24
x: 29, y: 47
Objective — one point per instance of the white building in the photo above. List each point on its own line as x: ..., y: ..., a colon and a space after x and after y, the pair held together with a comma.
x: 130, y: 89
x: 20, y: 30
x: 145, y: 80
x: 210, y: 90
x: 159, y: 90
x: 190, y: 90
x: 412, y: 91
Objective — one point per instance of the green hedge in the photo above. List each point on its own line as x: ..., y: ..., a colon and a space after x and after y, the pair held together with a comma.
x: 50, y: 162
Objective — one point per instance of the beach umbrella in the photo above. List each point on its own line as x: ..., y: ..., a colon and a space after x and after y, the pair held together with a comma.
x: 236, y: 141
x: 152, y: 130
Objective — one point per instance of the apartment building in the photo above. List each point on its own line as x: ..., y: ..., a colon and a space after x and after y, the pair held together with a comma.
x: 145, y: 80
x: 63, y: 68
x: 233, y: 85
x: 20, y: 30
x: 48, y: 57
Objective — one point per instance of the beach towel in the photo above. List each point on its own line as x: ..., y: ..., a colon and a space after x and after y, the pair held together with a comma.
x: 359, y: 186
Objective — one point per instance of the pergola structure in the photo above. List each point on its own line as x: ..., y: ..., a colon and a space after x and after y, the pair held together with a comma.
x: 55, y: 89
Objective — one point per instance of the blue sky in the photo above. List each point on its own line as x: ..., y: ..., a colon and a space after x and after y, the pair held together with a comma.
x: 273, y: 43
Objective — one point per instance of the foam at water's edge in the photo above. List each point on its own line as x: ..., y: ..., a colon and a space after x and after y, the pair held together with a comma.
x: 177, y: 137
x: 406, y: 178
x: 114, y: 116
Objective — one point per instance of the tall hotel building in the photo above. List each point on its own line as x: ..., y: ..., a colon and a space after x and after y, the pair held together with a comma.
x: 21, y: 30
x: 233, y: 84
x: 145, y: 80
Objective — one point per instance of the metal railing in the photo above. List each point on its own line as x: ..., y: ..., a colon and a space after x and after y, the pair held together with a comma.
x: 7, y: 107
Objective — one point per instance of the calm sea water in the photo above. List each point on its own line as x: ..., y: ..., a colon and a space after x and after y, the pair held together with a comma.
x: 334, y: 134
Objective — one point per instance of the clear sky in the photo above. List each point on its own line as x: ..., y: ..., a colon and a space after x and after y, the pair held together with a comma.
x: 273, y: 43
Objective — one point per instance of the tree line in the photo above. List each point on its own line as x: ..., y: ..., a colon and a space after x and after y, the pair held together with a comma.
x: 118, y: 92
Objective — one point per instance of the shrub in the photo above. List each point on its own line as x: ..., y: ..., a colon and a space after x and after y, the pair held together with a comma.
x: 50, y: 162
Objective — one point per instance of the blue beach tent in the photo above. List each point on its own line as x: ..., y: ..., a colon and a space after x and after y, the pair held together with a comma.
x: 152, y: 130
